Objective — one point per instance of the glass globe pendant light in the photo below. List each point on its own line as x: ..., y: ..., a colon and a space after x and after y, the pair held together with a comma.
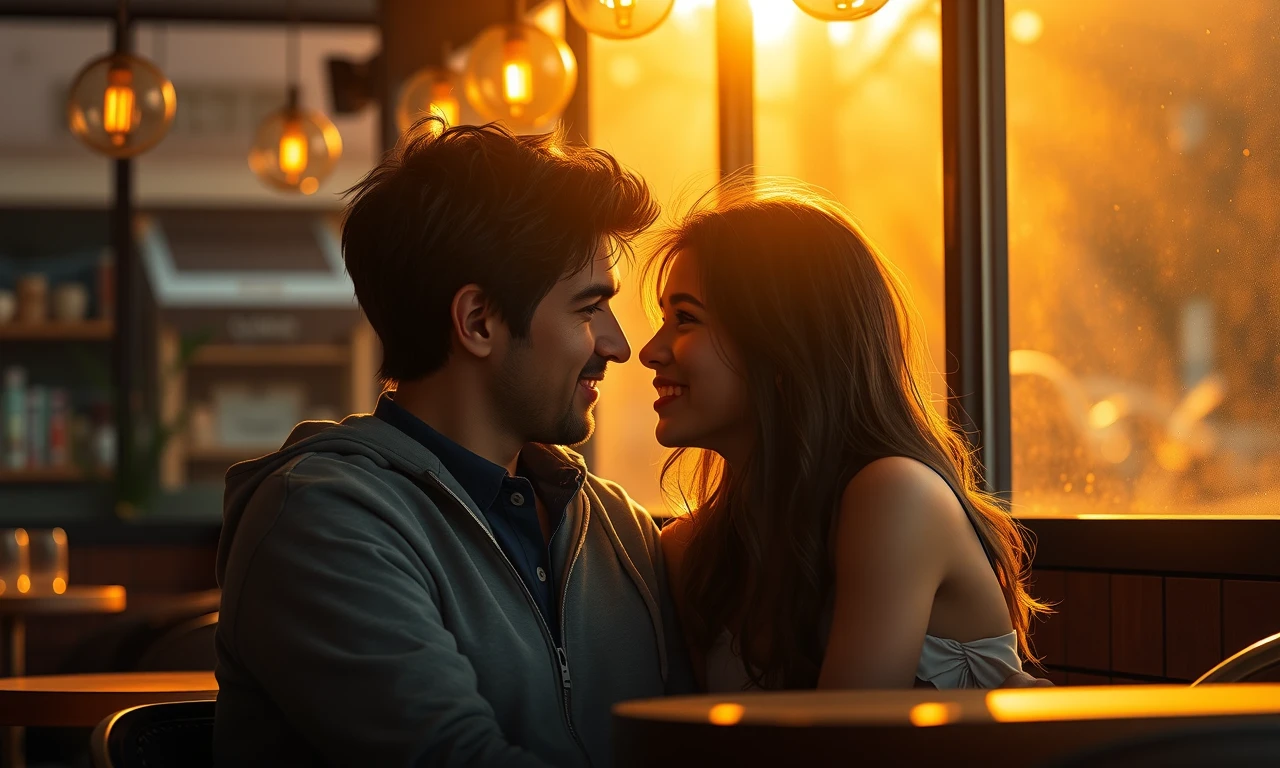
x: 519, y: 74
x: 429, y: 91
x: 619, y: 18
x: 121, y: 104
x: 840, y: 10
x: 295, y: 149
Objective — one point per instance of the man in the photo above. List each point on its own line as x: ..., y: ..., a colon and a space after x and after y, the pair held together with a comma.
x: 438, y: 583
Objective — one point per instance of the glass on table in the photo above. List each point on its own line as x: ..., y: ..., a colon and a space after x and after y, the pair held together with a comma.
x: 47, y: 558
x: 14, y: 551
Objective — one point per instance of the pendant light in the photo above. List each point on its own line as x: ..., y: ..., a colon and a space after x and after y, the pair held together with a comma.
x: 840, y: 10
x: 519, y: 74
x: 620, y: 18
x: 294, y: 149
x: 121, y: 104
x: 429, y: 91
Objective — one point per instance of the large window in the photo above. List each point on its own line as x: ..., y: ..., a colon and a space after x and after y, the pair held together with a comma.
x: 856, y: 108
x: 653, y: 105
x: 1144, y: 235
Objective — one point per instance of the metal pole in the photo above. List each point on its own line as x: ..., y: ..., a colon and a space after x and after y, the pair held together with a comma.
x: 976, y: 230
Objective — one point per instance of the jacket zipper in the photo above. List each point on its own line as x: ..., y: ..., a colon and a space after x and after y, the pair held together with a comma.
x: 562, y: 659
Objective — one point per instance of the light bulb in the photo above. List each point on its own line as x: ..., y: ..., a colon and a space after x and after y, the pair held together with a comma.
x: 293, y: 149
x: 620, y: 18
x: 121, y: 105
x: 520, y: 75
x: 430, y: 91
x: 117, y: 105
x: 517, y: 72
x: 621, y: 11
x: 840, y: 10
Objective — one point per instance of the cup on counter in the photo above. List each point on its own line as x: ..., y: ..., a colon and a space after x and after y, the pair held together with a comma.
x: 47, y: 560
x: 33, y: 299
x: 14, y: 563
x: 8, y: 306
x: 70, y: 302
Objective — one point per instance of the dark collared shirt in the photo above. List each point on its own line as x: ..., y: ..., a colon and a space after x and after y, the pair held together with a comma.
x: 507, y: 503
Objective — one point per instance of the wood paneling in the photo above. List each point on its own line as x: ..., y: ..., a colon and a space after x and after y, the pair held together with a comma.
x: 1250, y: 612
x: 1055, y: 676
x: 1192, y: 626
x: 1048, y: 633
x: 1137, y: 625
x: 1080, y: 678
x: 1088, y: 627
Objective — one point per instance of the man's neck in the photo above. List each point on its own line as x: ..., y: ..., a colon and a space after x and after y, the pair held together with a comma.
x: 460, y: 410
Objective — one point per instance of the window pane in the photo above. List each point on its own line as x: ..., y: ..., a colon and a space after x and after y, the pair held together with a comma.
x: 856, y: 108
x: 1144, y: 231
x: 653, y: 105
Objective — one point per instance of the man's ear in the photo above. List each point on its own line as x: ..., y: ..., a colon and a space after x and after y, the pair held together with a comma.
x: 474, y: 320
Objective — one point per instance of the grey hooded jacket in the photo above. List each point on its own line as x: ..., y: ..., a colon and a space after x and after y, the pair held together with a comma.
x: 370, y: 618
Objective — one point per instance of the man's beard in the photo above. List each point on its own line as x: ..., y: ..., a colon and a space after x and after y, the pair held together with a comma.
x: 535, y: 416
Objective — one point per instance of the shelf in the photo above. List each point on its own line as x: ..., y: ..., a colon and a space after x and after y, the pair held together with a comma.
x: 228, y: 454
x: 85, y: 330
x: 49, y: 475
x: 272, y: 354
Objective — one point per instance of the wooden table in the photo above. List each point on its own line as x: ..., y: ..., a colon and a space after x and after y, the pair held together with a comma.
x: 84, y: 700
x: 15, y: 607
x: 1011, y: 727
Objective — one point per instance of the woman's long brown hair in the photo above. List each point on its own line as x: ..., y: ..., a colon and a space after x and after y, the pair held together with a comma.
x: 823, y: 332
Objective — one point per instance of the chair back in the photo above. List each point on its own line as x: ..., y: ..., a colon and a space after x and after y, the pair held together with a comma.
x: 177, y: 734
x: 1259, y: 663
x: 186, y: 647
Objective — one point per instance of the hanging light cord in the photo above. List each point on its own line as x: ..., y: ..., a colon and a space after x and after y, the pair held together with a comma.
x: 291, y: 53
x: 122, y: 26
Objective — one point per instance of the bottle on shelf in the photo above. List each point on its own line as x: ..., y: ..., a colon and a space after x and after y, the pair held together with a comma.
x: 15, y: 417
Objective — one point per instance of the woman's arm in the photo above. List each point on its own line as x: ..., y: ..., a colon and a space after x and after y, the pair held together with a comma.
x: 675, y: 540
x: 891, y: 548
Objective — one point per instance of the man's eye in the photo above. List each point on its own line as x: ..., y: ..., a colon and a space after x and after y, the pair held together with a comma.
x: 591, y: 310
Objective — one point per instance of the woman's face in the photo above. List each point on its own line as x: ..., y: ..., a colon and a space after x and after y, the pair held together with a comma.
x: 702, y: 399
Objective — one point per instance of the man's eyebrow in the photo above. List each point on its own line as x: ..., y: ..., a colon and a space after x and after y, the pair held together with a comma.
x: 684, y: 298
x: 596, y: 291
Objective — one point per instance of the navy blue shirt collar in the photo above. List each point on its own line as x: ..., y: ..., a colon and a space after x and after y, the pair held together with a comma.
x: 479, y: 477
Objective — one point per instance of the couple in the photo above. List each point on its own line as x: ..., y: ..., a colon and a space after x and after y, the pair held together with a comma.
x: 442, y: 583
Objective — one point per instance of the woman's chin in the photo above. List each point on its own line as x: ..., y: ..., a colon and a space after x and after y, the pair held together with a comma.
x: 670, y: 438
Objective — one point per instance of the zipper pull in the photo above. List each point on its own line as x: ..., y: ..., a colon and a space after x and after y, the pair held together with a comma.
x: 564, y: 667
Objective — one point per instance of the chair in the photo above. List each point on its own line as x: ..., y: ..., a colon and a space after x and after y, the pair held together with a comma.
x: 1224, y: 746
x: 175, y: 734
x: 1259, y: 663
x: 188, y: 646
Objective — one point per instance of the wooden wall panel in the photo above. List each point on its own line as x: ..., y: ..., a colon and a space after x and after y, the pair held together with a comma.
x: 1088, y: 627
x: 1081, y: 678
x: 1193, y: 626
x: 1048, y: 634
x: 1137, y: 625
x: 1250, y: 612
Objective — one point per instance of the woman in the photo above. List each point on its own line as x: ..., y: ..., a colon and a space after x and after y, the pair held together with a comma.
x: 840, y: 539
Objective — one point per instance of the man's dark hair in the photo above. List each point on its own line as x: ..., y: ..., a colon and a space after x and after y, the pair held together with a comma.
x: 478, y: 204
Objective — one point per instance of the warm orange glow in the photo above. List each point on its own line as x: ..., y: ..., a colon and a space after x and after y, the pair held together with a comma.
x: 3, y: 586
x: 444, y: 104
x: 1103, y: 414
x: 309, y: 185
x: 1026, y: 26
x: 59, y: 586
x: 622, y: 10
x: 517, y: 73
x: 932, y: 713
x: 21, y: 537
x: 1129, y: 702
x: 293, y: 149
x: 59, y: 537
x: 24, y: 583
x: 725, y: 714
x: 117, y: 105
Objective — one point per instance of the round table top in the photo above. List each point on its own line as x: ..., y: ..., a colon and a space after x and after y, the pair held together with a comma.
x: 85, y: 700
x: 77, y: 599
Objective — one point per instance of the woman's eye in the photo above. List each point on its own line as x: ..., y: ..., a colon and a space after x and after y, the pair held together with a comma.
x: 684, y: 317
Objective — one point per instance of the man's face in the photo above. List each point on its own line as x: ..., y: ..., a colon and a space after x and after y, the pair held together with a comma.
x: 546, y: 382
